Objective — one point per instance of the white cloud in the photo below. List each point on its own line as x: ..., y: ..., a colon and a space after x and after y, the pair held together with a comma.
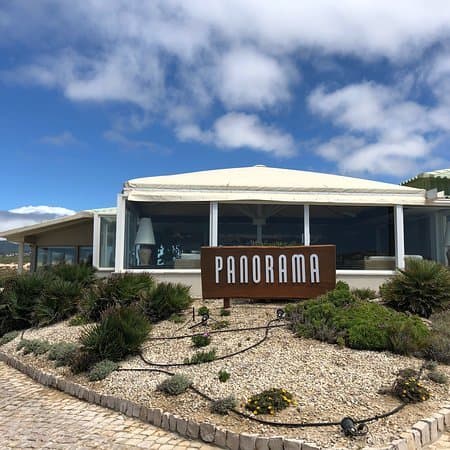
x: 43, y: 209
x: 60, y: 140
x: 238, y: 130
x: 129, y: 144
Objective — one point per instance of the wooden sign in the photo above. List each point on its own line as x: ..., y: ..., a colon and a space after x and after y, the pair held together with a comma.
x: 268, y: 272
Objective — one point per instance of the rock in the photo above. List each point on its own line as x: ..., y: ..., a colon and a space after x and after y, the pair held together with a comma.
x: 276, y: 443
x: 247, y: 441
x: 193, y: 429
x: 262, y: 443
x: 207, y: 432
x: 220, y: 437
x: 292, y: 444
x: 182, y: 425
x: 424, y: 429
x: 232, y: 440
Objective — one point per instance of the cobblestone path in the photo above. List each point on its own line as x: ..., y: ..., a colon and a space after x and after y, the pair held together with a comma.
x: 34, y: 416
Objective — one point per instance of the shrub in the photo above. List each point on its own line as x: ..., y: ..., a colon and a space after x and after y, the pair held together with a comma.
x: 339, y: 317
x: 438, y: 377
x: 8, y: 337
x: 166, y: 299
x: 201, y: 357
x: 175, y: 385
x: 422, y: 288
x: 225, y: 312
x: 82, y: 361
x: 224, y: 376
x: 269, y: 401
x: 121, y: 332
x: 81, y: 274
x: 58, y: 301
x: 364, y: 293
x: 202, y: 311
x: 438, y: 348
x: 35, y: 346
x: 201, y: 340
x: 102, y: 369
x: 117, y: 290
x: 220, y: 324
x: 62, y: 353
x: 410, y: 390
x: 223, y: 405
x: 176, y: 318
x: 78, y: 320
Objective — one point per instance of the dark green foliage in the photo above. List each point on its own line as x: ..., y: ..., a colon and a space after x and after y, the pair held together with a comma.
x: 166, y: 299
x: 203, y: 310
x: 339, y: 316
x: 175, y: 385
x: 201, y: 357
x: 364, y: 293
x: 35, y: 346
x: 58, y: 301
x: 81, y: 274
x: 410, y: 390
x: 117, y: 290
x: 220, y: 324
x: 201, y: 340
x: 225, y: 312
x: 120, y: 332
x: 102, y: 369
x: 8, y: 337
x: 269, y: 401
x: 78, y: 320
x: 223, y: 405
x: 438, y: 377
x: 177, y: 318
x: 422, y: 288
x: 82, y: 361
x: 224, y: 376
x: 62, y: 353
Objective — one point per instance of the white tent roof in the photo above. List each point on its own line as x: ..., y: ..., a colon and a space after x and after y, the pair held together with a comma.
x: 260, y: 183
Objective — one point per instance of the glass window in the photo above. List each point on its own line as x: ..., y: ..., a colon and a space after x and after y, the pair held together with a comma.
x: 51, y: 256
x: 107, y: 241
x: 85, y: 255
x: 252, y: 224
x: 427, y: 233
x: 363, y: 235
x: 165, y: 235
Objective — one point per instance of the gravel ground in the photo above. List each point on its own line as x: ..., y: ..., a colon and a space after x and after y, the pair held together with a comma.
x: 328, y: 382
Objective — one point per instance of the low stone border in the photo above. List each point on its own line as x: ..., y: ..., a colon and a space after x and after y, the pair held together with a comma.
x: 423, y: 433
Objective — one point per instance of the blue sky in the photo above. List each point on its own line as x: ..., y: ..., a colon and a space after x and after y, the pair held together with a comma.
x: 94, y: 93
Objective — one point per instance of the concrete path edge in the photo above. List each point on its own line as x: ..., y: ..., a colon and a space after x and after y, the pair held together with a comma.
x: 423, y: 433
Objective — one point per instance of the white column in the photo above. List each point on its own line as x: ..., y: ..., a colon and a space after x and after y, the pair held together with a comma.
x: 213, y: 224
x: 20, y: 258
x: 96, y: 242
x: 306, y: 233
x: 399, y: 237
x: 120, y: 233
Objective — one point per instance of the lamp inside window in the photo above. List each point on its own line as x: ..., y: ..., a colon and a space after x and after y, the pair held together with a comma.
x: 145, y: 240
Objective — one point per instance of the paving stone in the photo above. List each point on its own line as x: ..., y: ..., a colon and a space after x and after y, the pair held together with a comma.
x: 157, y: 417
x: 440, y: 422
x: 232, y: 440
x: 193, y: 429
x: 432, y: 422
x: 292, y: 444
x: 207, y: 432
x: 262, y: 443
x: 409, y: 438
x: 182, y: 425
x: 46, y: 418
x: 446, y: 413
x: 276, y: 443
x: 424, y: 430
x: 220, y: 437
x: 400, y: 444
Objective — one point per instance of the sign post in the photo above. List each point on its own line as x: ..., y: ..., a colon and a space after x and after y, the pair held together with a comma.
x: 264, y: 272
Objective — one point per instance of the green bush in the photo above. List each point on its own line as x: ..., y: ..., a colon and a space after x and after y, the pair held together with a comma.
x: 175, y: 385
x: 223, y: 405
x: 364, y: 293
x: 102, y: 369
x: 220, y: 324
x: 35, y: 346
x: 118, y: 290
x: 201, y: 340
x: 62, y: 353
x: 82, y: 361
x: 81, y: 274
x: 166, y: 299
x: 438, y: 377
x: 78, y: 320
x: 339, y: 317
x: 58, y: 301
x: 8, y: 337
x: 225, y: 312
x: 120, y: 332
x: 422, y: 288
x: 224, y: 376
x: 201, y: 357
x: 202, y: 311
x: 177, y: 318
x: 269, y: 401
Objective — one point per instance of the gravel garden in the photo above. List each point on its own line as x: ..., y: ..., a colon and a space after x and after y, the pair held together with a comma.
x: 258, y: 367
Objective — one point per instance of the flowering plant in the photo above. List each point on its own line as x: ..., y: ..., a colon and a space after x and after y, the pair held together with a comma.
x: 270, y: 401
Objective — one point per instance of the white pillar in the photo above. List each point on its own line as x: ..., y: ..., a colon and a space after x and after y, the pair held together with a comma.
x: 20, y: 258
x: 306, y: 232
x: 213, y: 224
x: 399, y: 237
x: 120, y: 233
x: 96, y: 242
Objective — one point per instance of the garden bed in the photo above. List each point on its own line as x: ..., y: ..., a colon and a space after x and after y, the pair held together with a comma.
x: 328, y: 382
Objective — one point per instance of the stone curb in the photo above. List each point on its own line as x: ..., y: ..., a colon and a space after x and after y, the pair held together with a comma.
x: 423, y: 433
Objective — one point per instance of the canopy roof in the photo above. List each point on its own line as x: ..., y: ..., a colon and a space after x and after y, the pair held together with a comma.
x: 261, y: 183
